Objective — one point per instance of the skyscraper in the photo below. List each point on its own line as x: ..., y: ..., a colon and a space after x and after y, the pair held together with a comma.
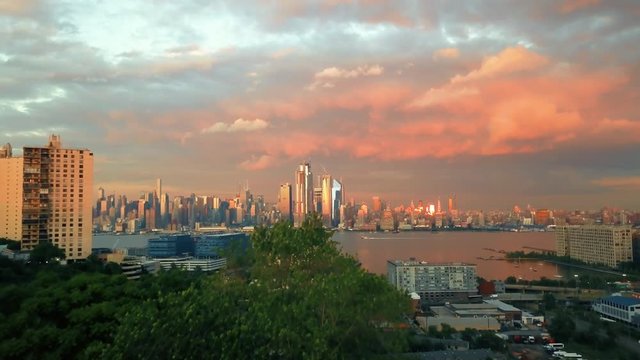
x: 284, y: 202
x: 327, y: 203
x: 56, y: 203
x: 304, y: 193
x: 338, y: 201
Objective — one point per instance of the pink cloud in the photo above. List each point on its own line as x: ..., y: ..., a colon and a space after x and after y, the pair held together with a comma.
x: 446, y: 53
x: 256, y: 163
x: 326, y: 77
x: 508, y: 61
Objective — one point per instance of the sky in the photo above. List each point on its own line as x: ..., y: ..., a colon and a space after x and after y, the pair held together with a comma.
x: 501, y: 102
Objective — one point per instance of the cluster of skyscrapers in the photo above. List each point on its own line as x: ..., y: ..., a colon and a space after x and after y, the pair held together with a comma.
x: 45, y: 195
x: 326, y: 199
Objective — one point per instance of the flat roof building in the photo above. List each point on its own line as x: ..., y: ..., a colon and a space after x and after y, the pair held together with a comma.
x: 620, y: 308
x: 595, y: 244
x: 435, y: 283
x: 46, y: 196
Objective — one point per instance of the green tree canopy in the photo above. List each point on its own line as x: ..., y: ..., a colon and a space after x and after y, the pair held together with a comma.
x: 46, y: 252
x: 301, y: 298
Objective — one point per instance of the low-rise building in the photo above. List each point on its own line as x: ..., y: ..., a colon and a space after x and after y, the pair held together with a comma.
x: 435, y: 283
x: 619, y: 308
x: 189, y: 263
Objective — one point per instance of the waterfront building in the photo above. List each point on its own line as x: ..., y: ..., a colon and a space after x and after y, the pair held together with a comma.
x: 304, y: 193
x: 337, y: 195
x: 619, y: 308
x: 543, y: 217
x: 189, y: 263
x: 171, y: 245
x: 326, y: 198
x: 54, y: 202
x: 213, y: 245
x: 595, y: 244
x: 435, y: 283
x: 387, y: 222
x: 284, y: 202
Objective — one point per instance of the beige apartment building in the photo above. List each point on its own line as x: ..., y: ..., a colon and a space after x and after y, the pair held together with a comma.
x: 595, y: 244
x: 10, y: 194
x: 51, y: 191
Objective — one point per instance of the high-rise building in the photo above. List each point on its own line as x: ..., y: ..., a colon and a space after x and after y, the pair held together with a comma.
x: 453, y: 203
x: 327, y: 197
x: 337, y: 195
x: 284, y: 202
x: 435, y: 283
x: 158, y: 188
x: 6, y: 151
x: 595, y: 244
x: 11, y: 175
x: 377, y: 204
x: 55, y: 205
x: 304, y: 193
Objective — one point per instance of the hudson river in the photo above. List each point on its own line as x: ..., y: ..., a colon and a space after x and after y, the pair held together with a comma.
x: 374, y: 249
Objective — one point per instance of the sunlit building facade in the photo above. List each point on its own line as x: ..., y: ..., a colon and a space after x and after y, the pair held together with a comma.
x: 285, y: 203
x: 304, y: 193
x: 56, y: 198
x: 327, y: 203
x: 435, y: 283
x: 11, y: 169
x: 595, y: 244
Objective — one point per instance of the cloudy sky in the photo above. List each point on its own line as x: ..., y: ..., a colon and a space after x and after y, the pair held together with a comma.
x: 501, y: 102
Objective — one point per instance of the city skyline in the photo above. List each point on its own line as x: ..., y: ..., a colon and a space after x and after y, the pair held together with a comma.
x: 500, y: 103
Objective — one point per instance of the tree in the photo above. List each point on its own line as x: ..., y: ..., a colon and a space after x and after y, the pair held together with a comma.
x: 11, y: 244
x: 511, y: 280
x: 301, y: 298
x: 46, y: 252
x: 562, y: 326
x: 549, y: 301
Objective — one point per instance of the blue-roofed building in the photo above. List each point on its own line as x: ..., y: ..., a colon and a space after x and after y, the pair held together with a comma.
x: 620, y: 308
x: 171, y: 245
x: 212, y: 245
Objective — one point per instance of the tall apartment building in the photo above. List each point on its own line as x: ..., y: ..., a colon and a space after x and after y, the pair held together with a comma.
x: 10, y: 194
x: 53, y: 198
x: 284, y: 202
x: 326, y: 199
x: 304, y: 193
x: 435, y: 283
x: 595, y: 244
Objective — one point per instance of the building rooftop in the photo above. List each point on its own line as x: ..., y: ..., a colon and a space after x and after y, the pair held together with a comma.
x: 426, y: 263
x: 502, y: 305
x: 622, y: 300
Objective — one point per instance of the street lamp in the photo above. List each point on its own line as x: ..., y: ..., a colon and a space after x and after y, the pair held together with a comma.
x: 577, y: 282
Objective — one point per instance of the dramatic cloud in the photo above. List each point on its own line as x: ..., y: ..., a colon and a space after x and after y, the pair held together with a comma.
x: 326, y: 78
x: 508, y: 61
x: 500, y: 102
x: 240, y: 125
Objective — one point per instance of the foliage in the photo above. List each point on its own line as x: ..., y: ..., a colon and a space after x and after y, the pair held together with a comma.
x: 301, y: 298
x: 562, y: 326
x: 297, y: 297
x: 46, y: 252
x: 549, y: 301
x: 11, y: 244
